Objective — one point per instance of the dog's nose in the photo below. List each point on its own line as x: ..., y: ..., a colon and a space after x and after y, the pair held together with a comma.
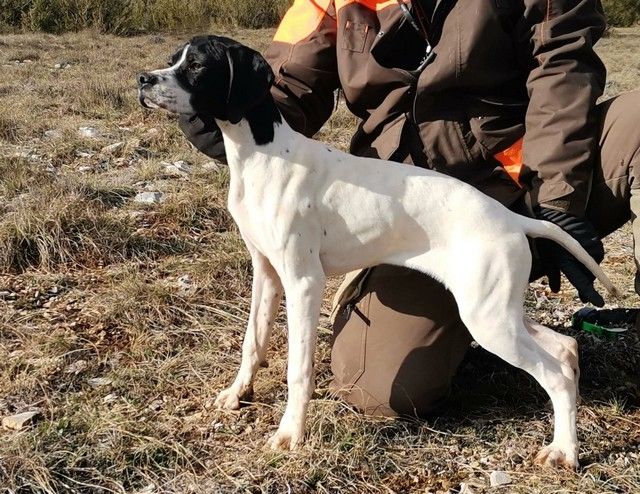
x: 146, y: 79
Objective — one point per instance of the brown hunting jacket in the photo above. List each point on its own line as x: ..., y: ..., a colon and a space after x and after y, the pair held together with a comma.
x: 507, y: 93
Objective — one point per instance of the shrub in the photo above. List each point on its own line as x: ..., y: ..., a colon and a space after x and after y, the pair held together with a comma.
x: 133, y: 16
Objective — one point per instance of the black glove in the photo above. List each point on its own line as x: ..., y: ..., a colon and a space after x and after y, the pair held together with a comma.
x: 204, y: 133
x: 556, y: 259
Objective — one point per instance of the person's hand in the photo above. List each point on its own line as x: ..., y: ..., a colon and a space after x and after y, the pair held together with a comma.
x: 556, y: 259
x: 204, y: 134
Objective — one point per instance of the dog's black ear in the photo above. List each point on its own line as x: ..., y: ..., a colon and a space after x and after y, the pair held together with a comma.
x: 250, y: 80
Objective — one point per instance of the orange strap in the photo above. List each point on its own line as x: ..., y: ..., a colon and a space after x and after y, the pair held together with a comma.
x: 511, y: 160
x: 304, y: 16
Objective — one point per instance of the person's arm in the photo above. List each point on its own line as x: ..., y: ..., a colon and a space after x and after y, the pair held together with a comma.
x: 204, y: 134
x: 560, y: 143
x: 561, y: 139
x: 303, y: 58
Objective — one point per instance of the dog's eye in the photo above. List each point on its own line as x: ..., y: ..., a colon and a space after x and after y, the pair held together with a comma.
x: 195, y: 66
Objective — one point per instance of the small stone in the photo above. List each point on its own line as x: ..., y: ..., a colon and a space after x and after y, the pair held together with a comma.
x: 62, y: 65
x: 91, y: 132
x: 150, y: 197
x: 52, y: 134
x: 114, y: 148
x: 77, y: 367
x: 155, y: 405
x: 84, y: 153
x: 183, y: 166
x: 185, y: 279
x: 178, y: 169
x: 85, y: 169
x: 465, y: 489
x: 185, y: 285
x: 212, y: 166
x: 19, y: 421
x: 7, y: 295
x: 498, y: 478
x: 97, y: 382
x: 110, y: 398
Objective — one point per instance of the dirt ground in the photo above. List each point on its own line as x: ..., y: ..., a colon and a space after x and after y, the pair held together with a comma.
x: 120, y: 321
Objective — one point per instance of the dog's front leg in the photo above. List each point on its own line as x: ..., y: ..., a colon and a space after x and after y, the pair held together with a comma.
x: 303, y: 286
x: 265, y: 300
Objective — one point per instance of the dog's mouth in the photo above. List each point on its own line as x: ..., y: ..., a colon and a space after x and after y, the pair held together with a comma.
x: 146, y: 102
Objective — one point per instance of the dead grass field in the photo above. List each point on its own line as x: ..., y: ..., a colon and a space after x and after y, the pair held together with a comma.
x: 119, y: 321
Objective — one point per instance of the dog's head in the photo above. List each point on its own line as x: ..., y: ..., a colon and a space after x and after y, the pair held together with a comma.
x: 210, y: 75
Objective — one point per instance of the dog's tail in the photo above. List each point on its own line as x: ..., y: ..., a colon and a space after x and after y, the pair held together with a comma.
x: 545, y: 229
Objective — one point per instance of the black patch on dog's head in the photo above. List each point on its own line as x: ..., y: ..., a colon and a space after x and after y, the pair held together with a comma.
x: 229, y: 81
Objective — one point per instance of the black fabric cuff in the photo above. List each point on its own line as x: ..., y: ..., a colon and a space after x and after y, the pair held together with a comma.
x: 204, y: 134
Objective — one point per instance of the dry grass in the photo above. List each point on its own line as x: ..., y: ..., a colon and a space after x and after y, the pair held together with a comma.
x: 92, y: 286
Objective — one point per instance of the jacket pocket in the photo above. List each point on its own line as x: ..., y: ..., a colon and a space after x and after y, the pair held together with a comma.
x: 354, y: 36
x: 349, y: 343
x: 451, y: 147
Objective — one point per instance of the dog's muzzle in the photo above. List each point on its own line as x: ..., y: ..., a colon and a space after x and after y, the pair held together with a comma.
x: 145, y: 81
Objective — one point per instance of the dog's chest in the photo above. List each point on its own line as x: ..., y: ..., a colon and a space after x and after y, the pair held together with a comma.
x: 267, y: 203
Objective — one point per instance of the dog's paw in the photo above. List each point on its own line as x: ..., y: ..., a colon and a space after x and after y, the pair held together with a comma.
x: 289, y: 436
x: 285, y: 441
x: 230, y: 398
x: 557, y: 457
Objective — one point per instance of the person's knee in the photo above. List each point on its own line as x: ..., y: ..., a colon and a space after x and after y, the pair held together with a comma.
x: 621, y: 135
x: 618, y: 172
x: 418, y: 388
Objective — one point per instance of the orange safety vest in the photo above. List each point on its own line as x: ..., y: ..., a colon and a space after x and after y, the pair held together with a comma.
x: 304, y: 16
x: 511, y: 160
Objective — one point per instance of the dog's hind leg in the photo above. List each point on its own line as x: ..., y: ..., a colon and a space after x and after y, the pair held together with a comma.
x: 265, y: 300
x: 491, y: 304
x: 507, y: 337
x: 562, y: 347
x: 304, y: 282
x: 489, y: 291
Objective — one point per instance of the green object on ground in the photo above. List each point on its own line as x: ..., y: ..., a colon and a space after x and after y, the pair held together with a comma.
x: 604, y: 323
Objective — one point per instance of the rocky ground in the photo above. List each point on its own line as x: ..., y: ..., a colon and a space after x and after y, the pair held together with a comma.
x: 123, y: 293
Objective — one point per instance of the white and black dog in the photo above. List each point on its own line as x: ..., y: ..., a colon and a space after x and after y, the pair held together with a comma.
x: 307, y: 211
